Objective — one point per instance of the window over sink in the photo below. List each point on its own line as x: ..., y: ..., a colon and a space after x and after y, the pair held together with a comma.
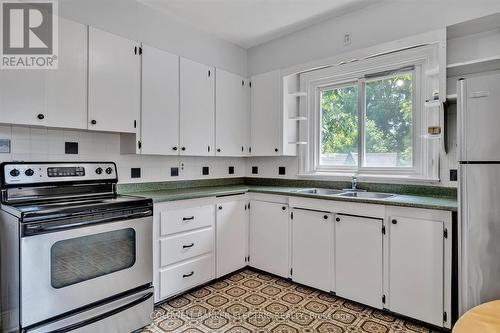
x: 368, y: 118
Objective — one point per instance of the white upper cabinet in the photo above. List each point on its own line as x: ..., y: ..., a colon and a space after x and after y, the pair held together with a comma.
x: 54, y: 98
x: 232, y: 236
x: 197, y: 106
x: 66, y: 87
x: 416, y: 268
x: 230, y: 114
x: 269, y: 233
x: 160, y: 102
x: 358, y: 259
x: 266, y: 114
x: 114, y: 83
x: 311, y: 248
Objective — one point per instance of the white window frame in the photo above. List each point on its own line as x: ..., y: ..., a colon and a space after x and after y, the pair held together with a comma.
x: 425, y: 155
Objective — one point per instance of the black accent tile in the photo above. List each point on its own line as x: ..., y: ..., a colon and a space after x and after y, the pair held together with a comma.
x: 205, y: 171
x: 71, y: 147
x: 453, y: 175
x: 135, y: 173
x: 281, y: 170
x: 174, y: 172
x: 231, y: 170
x: 255, y: 170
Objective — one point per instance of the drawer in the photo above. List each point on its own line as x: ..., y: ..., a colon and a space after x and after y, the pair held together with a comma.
x: 185, y: 219
x: 187, y: 275
x: 185, y: 246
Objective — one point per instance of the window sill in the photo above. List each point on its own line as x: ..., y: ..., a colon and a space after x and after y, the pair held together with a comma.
x: 373, y: 178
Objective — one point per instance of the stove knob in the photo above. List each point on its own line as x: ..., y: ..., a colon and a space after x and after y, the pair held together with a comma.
x: 14, y: 172
x: 29, y: 172
x: 109, y: 170
x: 98, y: 170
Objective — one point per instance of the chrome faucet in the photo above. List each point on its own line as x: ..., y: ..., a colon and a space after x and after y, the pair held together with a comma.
x: 354, y: 183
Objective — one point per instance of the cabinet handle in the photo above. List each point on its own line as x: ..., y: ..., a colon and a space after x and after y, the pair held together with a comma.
x: 325, y: 217
x: 276, y: 149
x: 174, y: 148
x: 218, y: 150
x: 40, y: 116
x: 337, y: 219
x: 93, y: 122
x: 187, y: 246
x: 187, y: 275
x: 220, y: 207
x: 188, y: 218
x: 183, y: 148
x: 283, y: 208
x: 394, y: 221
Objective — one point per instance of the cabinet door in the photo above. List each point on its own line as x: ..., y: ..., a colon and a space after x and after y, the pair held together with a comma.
x: 55, y: 98
x: 311, y: 248
x: 160, y: 102
x: 416, y: 268
x: 197, y: 109
x: 229, y: 114
x: 266, y: 112
x: 22, y: 97
x: 114, y: 83
x: 358, y: 259
x: 232, y: 237
x: 269, y: 233
x: 66, y: 87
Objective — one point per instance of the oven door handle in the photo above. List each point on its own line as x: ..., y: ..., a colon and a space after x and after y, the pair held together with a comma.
x: 107, y: 314
x: 37, y: 228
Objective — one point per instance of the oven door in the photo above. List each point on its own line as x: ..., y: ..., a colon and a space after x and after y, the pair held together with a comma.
x: 64, y: 269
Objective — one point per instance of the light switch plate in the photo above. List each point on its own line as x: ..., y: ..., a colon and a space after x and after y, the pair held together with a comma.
x: 4, y: 146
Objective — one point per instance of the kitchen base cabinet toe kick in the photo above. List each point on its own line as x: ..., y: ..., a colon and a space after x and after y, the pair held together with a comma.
x: 397, y: 259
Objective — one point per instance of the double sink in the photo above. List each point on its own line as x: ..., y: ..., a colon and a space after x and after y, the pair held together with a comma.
x: 347, y: 193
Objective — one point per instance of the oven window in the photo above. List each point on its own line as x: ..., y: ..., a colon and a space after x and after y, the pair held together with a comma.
x: 84, y: 258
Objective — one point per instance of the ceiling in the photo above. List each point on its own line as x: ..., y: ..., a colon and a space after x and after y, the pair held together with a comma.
x: 249, y: 23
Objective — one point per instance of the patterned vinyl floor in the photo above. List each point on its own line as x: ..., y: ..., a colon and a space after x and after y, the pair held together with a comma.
x: 250, y: 301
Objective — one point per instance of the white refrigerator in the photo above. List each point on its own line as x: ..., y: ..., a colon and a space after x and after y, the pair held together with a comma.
x: 478, y: 135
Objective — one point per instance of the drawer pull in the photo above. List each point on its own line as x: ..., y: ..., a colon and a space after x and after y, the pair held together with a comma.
x: 187, y: 246
x: 187, y: 275
x: 188, y: 218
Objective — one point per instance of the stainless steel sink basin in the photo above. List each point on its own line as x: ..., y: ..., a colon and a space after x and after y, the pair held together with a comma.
x: 366, y: 195
x: 320, y: 191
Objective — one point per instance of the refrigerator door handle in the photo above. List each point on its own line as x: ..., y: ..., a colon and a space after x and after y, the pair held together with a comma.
x: 462, y: 221
x: 461, y: 109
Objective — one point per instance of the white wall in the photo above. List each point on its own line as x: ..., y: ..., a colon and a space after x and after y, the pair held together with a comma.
x: 136, y: 21
x: 372, y: 25
x: 42, y: 144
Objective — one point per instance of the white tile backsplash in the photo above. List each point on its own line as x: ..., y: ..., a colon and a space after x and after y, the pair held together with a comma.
x: 41, y: 144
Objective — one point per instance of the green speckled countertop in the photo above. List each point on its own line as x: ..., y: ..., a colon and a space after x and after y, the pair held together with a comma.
x: 172, y: 194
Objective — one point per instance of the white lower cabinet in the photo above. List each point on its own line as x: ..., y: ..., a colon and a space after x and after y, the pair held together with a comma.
x: 269, y: 235
x: 358, y: 259
x: 311, y: 248
x: 419, y: 267
x: 231, y: 235
x: 183, y: 246
x: 398, y: 258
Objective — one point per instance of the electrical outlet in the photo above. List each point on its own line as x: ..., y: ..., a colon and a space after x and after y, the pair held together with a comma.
x: 205, y: 171
x: 174, y: 172
x: 231, y: 170
x: 281, y: 170
x: 347, y: 38
x: 255, y: 170
x: 4, y: 146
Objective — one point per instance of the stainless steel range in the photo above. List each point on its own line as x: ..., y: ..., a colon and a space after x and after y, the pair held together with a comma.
x: 74, y: 255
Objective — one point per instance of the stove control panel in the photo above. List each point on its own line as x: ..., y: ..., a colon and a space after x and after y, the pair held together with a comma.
x: 35, y: 173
